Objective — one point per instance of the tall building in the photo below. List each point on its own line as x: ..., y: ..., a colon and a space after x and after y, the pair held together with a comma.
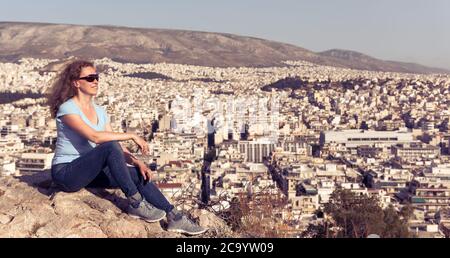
x: 255, y: 151
x: 164, y: 123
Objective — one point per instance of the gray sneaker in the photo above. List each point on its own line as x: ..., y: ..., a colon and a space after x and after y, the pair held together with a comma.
x: 185, y: 226
x: 146, y: 211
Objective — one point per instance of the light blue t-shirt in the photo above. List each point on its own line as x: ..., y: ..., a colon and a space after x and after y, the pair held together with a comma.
x: 70, y: 144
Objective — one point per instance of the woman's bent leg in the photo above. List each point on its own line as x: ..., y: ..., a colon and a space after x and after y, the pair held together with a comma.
x: 150, y: 191
x: 83, y: 170
x: 177, y: 222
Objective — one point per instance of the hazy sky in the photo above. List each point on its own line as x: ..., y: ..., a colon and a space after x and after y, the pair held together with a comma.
x: 402, y: 30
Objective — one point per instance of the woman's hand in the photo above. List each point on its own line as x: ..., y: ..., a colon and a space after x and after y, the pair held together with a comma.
x: 143, y: 145
x: 146, y: 173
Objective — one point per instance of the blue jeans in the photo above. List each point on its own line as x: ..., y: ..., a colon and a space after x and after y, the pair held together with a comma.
x: 105, y: 167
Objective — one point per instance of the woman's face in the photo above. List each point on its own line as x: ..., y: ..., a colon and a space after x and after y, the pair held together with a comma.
x: 88, y: 82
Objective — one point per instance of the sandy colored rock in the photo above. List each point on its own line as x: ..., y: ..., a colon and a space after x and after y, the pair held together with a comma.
x: 217, y: 227
x: 5, y: 218
x: 30, y: 207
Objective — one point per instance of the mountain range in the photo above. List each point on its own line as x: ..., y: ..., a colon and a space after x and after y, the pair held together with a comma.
x: 139, y: 45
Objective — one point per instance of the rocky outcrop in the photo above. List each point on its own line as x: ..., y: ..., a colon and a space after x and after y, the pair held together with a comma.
x: 31, y: 207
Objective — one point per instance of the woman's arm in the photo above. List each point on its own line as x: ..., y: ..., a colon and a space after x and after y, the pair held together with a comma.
x: 77, y: 124
x: 130, y: 158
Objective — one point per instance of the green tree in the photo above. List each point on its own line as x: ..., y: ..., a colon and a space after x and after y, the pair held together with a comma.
x: 407, y: 212
x: 357, y: 216
x: 317, y: 231
x: 395, y: 226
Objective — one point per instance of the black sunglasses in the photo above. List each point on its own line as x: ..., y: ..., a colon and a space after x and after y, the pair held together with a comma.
x: 90, y: 77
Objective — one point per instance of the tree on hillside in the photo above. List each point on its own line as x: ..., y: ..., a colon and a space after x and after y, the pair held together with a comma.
x: 357, y: 216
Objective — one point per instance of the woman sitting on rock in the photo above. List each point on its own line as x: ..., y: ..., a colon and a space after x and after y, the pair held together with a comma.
x: 88, y: 153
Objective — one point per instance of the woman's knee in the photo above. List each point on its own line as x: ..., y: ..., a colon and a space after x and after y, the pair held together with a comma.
x: 136, y: 175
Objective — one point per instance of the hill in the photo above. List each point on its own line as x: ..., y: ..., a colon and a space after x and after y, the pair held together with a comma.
x: 137, y: 45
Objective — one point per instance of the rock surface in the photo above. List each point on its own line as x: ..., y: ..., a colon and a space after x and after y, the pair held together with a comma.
x: 30, y: 207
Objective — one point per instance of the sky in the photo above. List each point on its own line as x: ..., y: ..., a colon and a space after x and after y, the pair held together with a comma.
x: 401, y: 30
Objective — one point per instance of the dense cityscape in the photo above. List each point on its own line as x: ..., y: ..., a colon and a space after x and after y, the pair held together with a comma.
x: 278, y: 144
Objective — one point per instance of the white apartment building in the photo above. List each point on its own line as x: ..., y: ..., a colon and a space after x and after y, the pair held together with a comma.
x: 351, y: 139
x: 255, y: 151
x: 11, y: 144
x: 415, y: 151
x: 30, y: 163
x: 7, y: 167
